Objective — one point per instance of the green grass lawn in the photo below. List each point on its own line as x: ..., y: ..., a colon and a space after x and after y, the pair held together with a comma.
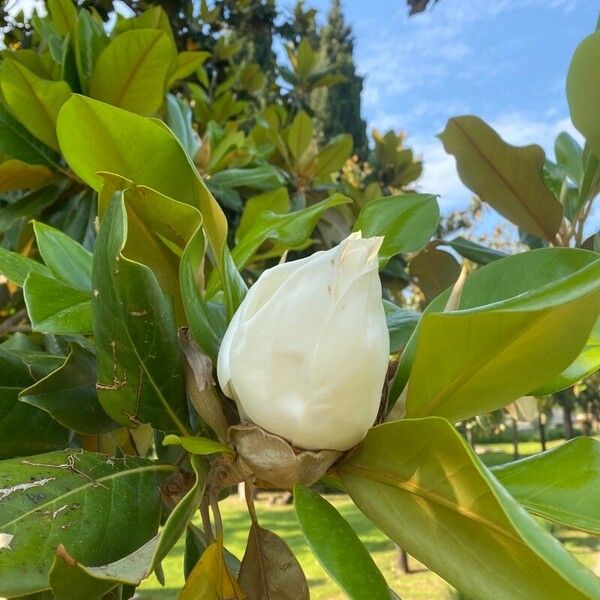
x: 420, y: 585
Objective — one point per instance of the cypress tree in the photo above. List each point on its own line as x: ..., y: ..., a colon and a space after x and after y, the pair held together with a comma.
x: 337, y: 108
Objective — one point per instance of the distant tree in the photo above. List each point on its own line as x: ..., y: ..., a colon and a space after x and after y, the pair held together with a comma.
x: 338, y: 108
x: 418, y: 6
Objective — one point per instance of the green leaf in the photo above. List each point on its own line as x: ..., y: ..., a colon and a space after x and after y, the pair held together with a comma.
x: 17, y: 175
x: 67, y: 260
x: 277, y: 200
x: 30, y: 205
x: 186, y: 63
x: 17, y: 142
x: 131, y: 71
x: 333, y: 156
x: 96, y: 137
x: 159, y: 229
x: 266, y: 177
x: 24, y: 429
x: 79, y: 582
x: 583, y: 86
x: 561, y: 484
x: 291, y: 229
x: 435, y: 271
x: 89, y: 40
x: 587, y: 363
x: 54, y: 497
x: 401, y: 324
x: 482, y: 255
x: 179, y: 119
x: 56, y: 307
x: 16, y: 267
x: 139, y: 362
x: 338, y: 548
x: 407, y: 222
x: 63, y: 14
x: 206, y: 320
x: 197, y: 445
x: 34, y: 101
x: 509, y: 178
x: 69, y: 394
x: 419, y: 482
x: 300, y: 134
x: 569, y: 155
x: 522, y: 321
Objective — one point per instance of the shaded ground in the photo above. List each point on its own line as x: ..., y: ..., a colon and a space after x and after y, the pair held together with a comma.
x: 421, y: 585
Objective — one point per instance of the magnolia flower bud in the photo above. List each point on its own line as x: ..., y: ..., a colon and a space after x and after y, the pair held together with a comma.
x: 306, y: 354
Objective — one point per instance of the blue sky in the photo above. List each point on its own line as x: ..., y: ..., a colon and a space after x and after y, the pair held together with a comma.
x: 503, y: 60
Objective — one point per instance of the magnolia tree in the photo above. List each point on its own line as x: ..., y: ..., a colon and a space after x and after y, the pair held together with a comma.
x: 154, y: 380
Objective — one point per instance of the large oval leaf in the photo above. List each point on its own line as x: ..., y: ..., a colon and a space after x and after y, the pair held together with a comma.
x: 509, y: 178
x: 522, y: 321
x: 562, y: 484
x: 338, y: 548
x: 25, y: 429
x: 96, y: 137
x: 583, y: 87
x: 418, y: 480
x: 34, y: 101
x: 102, y: 509
x: 140, y: 374
x: 131, y: 71
x: 407, y: 222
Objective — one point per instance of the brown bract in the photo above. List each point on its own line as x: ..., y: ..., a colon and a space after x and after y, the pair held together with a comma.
x: 273, y: 460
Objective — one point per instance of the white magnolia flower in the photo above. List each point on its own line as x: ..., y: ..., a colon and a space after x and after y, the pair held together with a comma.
x: 306, y: 354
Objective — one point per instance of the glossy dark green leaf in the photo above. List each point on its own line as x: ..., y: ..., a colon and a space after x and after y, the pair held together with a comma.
x: 495, y: 348
x: 419, y: 481
x: 401, y: 324
x: 561, y: 485
x: 80, y: 582
x: 140, y: 375
x: 24, y: 429
x: 338, y: 548
x: 69, y: 394
x: 56, y: 307
x: 407, y: 222
x: 68, y: 260
x: 30, y: 205
x: 54, y: 497
x: 478, y: 253
x: 509, y: 178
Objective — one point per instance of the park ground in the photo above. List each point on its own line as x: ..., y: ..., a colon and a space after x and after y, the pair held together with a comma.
x: 421, y: 584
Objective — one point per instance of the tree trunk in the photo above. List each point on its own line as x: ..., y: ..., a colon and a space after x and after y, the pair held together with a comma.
x: 402, y: 561
x: 515, y: 439
x: 567, y: 421
x: 542, y: 428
